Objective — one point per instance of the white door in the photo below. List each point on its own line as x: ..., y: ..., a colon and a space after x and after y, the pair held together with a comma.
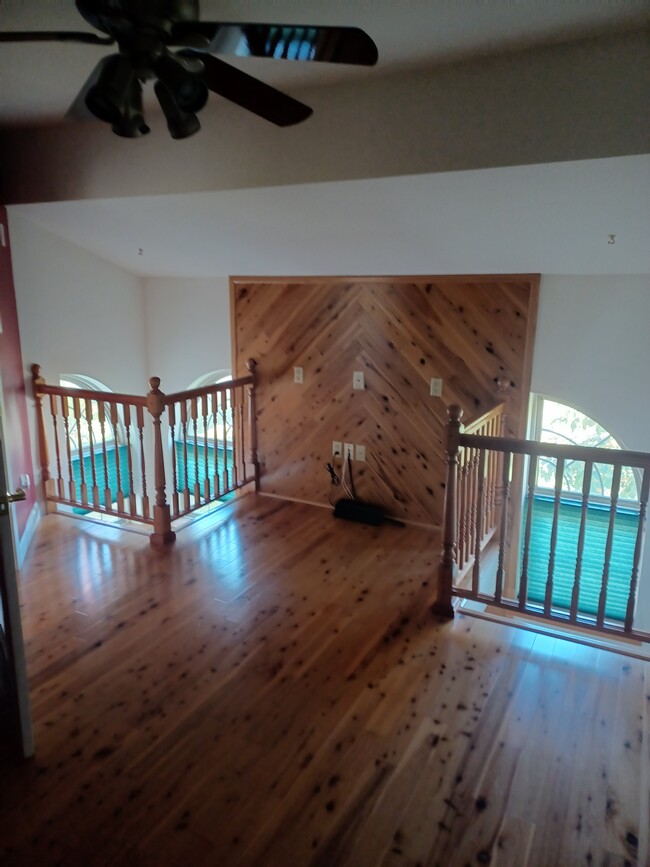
x: 15, y: 715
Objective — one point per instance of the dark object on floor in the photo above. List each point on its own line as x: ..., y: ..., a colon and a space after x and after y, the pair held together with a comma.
x: 364, y: 513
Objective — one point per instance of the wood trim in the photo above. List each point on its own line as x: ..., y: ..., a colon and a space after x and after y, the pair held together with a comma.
x: 555, y: 450
x: 90, y: 394
x: 533, y: 279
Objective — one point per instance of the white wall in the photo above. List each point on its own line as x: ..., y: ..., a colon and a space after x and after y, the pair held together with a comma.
x: 77, y: 313
x: 187, y: 324
x: 592, y: 351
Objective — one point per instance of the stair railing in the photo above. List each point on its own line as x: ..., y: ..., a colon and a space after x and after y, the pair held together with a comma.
x: 465, y: 529
x: 116, y: 454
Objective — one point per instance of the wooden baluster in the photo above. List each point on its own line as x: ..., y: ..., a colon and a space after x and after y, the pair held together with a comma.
x: 215, y: 437
x: 462, y: 528
x: 251, y: 366
x: 226, y: 482
x: 479, y: 522
x: 447, y: 566
x: 584, y: 506
x: 139, y: 413
x: 206, y: 471
x: 474, y: 537
x: 186, y: 482
x: 133, y: 506
x: 505, y: 487
x: 242, y: 437
x: 523, y: 583
x: 101, y: 415
x: 162, y: 526
x: 613, y: 503
x: 59, y: 476
x: 65, y: 412
x: 171, y: 409
x: 115, y: 418
x: 559, y: 475
x: 37, y: 382
x: 93, y: 468
x: 194, y: 412
x: 638, y: 548
x: 492, y: 475
x: 232, y: 403
x: 83, y: 492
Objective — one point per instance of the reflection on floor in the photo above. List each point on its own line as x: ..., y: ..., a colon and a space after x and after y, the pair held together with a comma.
x: 273, y: 691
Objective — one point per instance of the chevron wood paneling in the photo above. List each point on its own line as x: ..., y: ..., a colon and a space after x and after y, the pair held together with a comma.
x: 470, y: 331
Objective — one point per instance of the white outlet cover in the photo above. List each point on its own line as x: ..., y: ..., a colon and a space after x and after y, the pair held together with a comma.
x: 359, y: 453
x: 298, y: 375
x: 348, y: 449
x: 337, y: 448
x: 358, y: 380
x: 435, y: 389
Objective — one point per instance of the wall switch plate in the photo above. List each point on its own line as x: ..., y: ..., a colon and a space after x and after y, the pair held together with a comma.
x: 337, y: 449
x: 435, y: 389
x: 25, y: 481
x: 298, y: 375
x: 359, y: 453
x: 358, y: 380
x: 348, y: 449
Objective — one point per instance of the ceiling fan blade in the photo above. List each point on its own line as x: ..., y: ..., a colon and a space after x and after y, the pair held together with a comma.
x: 79, y: 110
x: 56, y: 36
x: 250, y: 93
x: 281, y: 41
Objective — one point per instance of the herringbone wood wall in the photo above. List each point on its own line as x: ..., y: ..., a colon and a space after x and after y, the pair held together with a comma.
x: 400, y: 332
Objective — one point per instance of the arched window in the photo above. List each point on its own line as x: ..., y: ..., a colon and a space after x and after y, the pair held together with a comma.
x: 95, y: 451
x: 82, y: 431
x: 555, y: 422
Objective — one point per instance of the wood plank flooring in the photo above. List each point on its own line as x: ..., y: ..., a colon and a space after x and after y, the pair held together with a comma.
x: 273, y: 692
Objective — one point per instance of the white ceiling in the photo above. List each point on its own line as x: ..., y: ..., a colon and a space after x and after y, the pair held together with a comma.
x: 40, y: 80
x: 553, y: 219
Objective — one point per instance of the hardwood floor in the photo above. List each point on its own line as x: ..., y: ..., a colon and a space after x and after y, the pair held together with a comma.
x: 273, y: 691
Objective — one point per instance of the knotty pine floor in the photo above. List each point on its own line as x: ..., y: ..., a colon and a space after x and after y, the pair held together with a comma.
x: 273, y: 691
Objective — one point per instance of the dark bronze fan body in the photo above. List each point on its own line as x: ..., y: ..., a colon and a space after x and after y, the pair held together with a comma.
x: 164, y: 40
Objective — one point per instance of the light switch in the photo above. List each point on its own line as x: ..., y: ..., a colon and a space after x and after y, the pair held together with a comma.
x: 297, y: 375
x: 359, y: 453
x: 358, y: 380
x: 436, y: 387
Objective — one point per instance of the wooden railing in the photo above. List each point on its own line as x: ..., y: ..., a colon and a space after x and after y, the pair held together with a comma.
x: 477, y: 491
x: 114, y: 453
x: 466, y: 505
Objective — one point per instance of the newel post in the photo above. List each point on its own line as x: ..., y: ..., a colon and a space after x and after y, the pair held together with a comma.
x: 162, y: 526
x: 447, y: 566
x: 251, y: 364
x: 43, y: 450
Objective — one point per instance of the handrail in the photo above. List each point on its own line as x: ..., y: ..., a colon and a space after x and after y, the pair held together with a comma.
x: 556, y: 450
x: 481, y: 422
x: 104, y: 445
x: 205, y: 390
x: 89, y: 394
x: 513, y: 580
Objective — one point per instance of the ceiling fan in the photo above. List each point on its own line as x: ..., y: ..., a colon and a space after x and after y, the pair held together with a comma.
x: 146, y: 31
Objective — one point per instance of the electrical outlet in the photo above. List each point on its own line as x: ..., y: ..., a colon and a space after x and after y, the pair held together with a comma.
x: 359, y: 453
x: 435, y: 389
x: 348, y: 450
x: 358, y: 380
x: 297, y: 375
x: 337, y: 449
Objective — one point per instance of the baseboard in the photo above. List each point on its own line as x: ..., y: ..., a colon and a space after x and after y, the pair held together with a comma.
x: 22, y: 547
x: 329, y: 506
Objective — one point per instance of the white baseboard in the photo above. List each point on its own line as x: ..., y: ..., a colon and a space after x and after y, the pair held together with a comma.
x: 25, y: 541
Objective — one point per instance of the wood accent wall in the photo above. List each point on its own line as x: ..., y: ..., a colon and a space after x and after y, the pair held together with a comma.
x: 400, y: 331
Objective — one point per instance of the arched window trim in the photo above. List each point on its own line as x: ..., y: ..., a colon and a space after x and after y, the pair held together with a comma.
x: 89, y: 383
x: 535, y: 432
x: 214, y: 377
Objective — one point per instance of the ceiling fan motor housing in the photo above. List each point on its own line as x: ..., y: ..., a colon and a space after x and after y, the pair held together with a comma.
x: 119, y: 17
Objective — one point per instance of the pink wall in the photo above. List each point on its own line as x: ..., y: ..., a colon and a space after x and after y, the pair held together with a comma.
x: 15, y: 424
